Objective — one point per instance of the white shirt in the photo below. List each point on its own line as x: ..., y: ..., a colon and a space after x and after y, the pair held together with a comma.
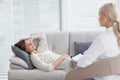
x: 104, y: 46
x: 44, y: 60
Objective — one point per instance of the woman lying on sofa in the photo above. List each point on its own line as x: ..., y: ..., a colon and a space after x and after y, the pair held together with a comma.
x: 42, y: 58
x: 107, y: 44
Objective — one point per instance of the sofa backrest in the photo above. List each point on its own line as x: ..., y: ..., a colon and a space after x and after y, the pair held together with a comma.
x: 58, y: 42
x: 63, y: 42
x: 80, y: 37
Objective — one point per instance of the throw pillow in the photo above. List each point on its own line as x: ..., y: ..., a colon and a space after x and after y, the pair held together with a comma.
x: 80, y: 47
x: 18, y: 61
x: 23, y: 55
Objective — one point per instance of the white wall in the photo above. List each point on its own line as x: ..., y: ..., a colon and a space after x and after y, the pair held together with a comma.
x: 80, y: 15
x: 5, y: 35
x: 34, y: 16
x: 119, y: 8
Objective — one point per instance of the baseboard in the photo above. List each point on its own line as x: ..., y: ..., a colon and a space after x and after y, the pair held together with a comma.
x: 3, y: 76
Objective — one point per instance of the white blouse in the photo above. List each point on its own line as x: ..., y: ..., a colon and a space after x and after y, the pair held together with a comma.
x: 44, y: 60
x: 104, y: 46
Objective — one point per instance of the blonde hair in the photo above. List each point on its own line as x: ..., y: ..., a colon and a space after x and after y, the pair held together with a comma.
x: 111, y: 10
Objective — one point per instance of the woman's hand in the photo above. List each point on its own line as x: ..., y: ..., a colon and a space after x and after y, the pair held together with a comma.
x: 64, y: 56
x: 59, y: 60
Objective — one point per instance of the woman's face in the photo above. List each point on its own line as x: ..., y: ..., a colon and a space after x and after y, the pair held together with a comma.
x: 101, y: 20
x: 29, y: 45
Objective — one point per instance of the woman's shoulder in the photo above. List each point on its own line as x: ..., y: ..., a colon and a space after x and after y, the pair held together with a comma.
x: 100, y: 38
x: 103, y: 35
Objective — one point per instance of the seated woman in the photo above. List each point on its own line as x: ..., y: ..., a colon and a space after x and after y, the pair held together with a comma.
x: 107, y: 44
x: 42, y: 58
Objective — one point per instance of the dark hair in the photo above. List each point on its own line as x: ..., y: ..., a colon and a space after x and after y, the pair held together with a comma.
x: 21, y: 44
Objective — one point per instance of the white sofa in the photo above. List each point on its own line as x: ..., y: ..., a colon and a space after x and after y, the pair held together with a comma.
x: 59, y: 42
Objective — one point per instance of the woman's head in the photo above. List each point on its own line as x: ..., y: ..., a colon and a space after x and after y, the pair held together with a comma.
x: 108, y: 17
x: 108, y: 14
x: 26, y: 45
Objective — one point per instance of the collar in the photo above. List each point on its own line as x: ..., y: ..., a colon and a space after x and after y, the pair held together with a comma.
x: 109, y: 29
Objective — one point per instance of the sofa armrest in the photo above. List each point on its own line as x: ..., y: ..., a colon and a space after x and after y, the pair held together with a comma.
x: 103, y: 67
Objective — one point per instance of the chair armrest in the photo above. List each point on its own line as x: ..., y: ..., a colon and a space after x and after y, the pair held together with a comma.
x: 108, y: 66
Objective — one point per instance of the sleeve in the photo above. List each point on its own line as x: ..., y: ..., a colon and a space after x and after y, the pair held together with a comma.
x: 96, y: 49
x: 42, y: 43
x: 38, y: 63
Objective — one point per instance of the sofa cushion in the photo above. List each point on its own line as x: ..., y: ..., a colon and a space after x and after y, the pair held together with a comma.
x: 17, y: 67
x: 18, y: 61
x: 23, y: 55
x: 36, y: 74
x: 80, y: 47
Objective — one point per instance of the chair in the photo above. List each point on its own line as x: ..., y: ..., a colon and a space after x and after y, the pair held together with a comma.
x: 108, y: 66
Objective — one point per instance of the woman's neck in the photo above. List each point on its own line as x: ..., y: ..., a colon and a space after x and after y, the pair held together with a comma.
x: 109, y: 25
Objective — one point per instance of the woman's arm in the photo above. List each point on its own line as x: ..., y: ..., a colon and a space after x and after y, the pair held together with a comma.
x: 35, y: 36
x: 43, y: 45
x: 96, y: 49
x: 59, y: 60
x: 38, y: 63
